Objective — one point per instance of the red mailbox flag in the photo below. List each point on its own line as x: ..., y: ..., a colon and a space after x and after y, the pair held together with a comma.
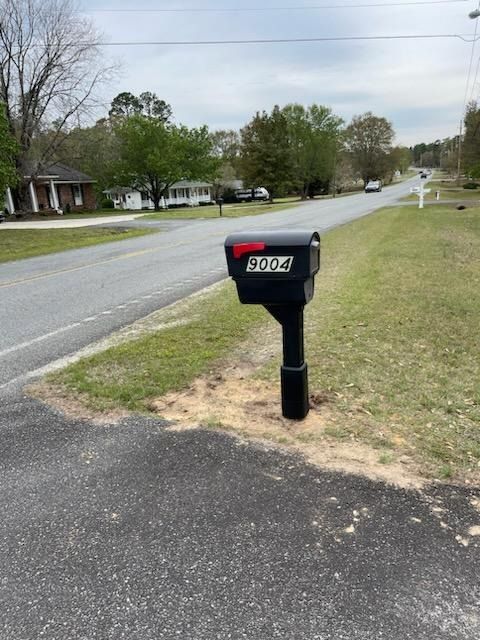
x: 247, y: 247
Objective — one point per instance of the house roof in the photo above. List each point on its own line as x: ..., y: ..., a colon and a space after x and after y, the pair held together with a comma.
x: 189, y: 183
x: 181, y: 184
x: 60, y: 172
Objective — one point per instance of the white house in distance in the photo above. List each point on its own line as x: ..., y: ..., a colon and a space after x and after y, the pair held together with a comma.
x: 185, y: 193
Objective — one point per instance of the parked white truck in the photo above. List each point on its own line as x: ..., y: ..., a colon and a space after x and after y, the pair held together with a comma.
x: 247, y: 195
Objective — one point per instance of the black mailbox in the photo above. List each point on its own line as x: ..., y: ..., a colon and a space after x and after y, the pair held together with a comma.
x: 273, y: 267
x: 277, y: 269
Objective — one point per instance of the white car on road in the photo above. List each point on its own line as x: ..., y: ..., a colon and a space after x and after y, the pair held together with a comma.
x: 373, y: 185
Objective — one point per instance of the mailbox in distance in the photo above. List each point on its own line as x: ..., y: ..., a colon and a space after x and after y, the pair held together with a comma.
x: 273, y: 267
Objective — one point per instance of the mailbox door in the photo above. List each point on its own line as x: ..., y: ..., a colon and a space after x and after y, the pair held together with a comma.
x: 277, y: 255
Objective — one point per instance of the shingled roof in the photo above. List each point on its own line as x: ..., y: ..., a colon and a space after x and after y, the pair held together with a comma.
x: 60, y: 172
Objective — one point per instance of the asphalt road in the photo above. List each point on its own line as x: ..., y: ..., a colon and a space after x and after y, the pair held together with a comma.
x: 133, y: 531
x: 53, y: 305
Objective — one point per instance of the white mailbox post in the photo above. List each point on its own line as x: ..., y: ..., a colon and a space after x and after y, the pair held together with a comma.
x: 420, y: 192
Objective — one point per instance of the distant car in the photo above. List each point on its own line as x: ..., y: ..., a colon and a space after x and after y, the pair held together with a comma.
x: 424, y: 175
x: 373, y: 185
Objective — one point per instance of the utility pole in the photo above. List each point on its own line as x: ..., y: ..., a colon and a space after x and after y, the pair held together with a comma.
x: 459, y: 152
x: 334, y: 189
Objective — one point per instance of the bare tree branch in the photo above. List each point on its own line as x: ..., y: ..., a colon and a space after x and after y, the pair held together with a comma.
x: 50, y: 70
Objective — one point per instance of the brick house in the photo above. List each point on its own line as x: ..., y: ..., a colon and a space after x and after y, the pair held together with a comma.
x: 56, y: 189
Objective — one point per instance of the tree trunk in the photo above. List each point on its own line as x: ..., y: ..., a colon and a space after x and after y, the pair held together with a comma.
x: 21, y: 197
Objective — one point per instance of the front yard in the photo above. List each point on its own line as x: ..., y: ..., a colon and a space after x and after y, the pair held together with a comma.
x: 16, y: 244
x: 228, y: 210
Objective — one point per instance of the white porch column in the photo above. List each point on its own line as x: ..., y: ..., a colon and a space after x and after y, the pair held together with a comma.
x: 33, y: 197
x: 10, y: 205
x: 53, y: 191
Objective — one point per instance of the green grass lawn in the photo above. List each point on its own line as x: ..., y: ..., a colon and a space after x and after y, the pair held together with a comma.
x: 16, y: 244
x: 129, y: 375
x: 392, y: 340
x: 228, y: 211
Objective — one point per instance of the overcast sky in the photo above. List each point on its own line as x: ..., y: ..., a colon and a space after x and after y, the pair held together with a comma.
x: 417, y: 84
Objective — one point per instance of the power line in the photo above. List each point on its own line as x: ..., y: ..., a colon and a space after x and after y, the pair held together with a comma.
x: 173, y: 43
x: 271, y: 9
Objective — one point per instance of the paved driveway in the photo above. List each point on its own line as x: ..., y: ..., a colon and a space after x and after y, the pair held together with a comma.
x: 133, y: 531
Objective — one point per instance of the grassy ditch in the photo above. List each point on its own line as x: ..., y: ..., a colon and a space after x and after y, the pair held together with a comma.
x: 392, y: 343
x: 132, y: 374
x: 397, y: 342
x: 16, y: 244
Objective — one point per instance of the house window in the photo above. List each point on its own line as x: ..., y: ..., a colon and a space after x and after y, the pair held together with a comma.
x: 77, y: 195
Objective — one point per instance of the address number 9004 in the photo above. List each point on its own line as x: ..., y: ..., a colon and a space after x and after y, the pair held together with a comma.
x: 270, y: 264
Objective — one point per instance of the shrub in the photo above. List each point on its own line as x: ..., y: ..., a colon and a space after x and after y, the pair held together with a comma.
x: 107, y: 203
x: 471, y: 185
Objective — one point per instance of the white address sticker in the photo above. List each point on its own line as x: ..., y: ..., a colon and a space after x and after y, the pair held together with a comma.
x: 270, y: 264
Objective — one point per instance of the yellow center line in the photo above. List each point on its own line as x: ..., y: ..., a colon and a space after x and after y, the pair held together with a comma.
x: 48, y: 274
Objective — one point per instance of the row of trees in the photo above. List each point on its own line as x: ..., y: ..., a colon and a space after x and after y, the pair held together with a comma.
x: 309, y: 150
x: 299, y: 149
x: 452, y: 154
x: 441, y: 154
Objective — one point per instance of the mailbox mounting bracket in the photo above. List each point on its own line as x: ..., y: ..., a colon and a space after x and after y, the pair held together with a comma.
x: 294, y: 377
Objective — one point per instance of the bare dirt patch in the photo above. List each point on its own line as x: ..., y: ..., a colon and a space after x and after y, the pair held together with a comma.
x: 236, y: 402
x: 72, y: 406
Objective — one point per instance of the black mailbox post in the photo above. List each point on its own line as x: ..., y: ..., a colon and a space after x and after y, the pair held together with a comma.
x: 276, y: 269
